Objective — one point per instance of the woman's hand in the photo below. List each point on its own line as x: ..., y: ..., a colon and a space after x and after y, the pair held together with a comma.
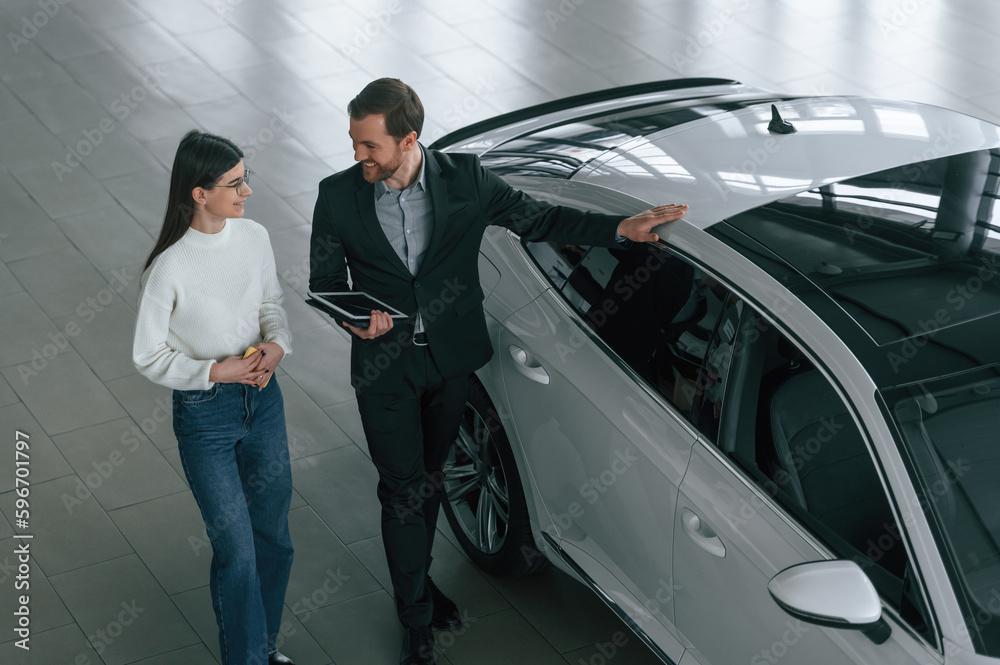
x: 253, y: 370
x: 271, y: 354
x: 235, y: 369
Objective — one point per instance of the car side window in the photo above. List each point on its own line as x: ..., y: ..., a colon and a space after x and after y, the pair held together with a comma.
x: 786, y: 425
x: 655, y: 310
x: 709, y: 387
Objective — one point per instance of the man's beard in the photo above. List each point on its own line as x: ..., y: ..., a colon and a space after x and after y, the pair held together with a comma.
x: 383, y: 172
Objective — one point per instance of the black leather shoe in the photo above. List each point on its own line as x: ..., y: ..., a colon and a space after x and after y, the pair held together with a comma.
x: 418, y: 646
x: 445, y: 616
x: 277, y: 658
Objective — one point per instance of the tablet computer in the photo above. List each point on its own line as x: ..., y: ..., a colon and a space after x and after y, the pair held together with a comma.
x: 354, y: 307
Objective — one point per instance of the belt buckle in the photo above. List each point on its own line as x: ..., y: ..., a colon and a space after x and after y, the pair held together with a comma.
x: 420, y: 339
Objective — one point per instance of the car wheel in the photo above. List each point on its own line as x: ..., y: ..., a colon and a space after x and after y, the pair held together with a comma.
x: 484, y: 501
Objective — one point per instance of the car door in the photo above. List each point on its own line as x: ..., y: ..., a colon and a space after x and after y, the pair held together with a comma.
x: 605, y: 447
x: 780, y: 476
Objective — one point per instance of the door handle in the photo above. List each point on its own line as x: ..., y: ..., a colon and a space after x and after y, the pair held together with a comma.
x: 702, y: 534
x: 528, y: 366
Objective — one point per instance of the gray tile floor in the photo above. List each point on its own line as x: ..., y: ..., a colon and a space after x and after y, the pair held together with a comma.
x: 94, y: 95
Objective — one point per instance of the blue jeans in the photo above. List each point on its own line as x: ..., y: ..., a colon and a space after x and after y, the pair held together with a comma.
x: 234, y: 448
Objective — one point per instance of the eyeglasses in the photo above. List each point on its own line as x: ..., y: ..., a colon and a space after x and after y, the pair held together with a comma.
x: 238, y: 185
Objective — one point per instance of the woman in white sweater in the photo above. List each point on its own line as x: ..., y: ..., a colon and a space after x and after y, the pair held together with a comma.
x: 208, y: 292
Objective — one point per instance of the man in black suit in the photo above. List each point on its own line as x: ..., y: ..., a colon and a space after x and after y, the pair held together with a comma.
x: 408, y: 222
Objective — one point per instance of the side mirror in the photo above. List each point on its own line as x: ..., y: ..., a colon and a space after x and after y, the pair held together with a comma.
x: 837, y: 594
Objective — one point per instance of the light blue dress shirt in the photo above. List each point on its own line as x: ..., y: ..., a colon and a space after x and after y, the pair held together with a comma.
x: 407, y: 219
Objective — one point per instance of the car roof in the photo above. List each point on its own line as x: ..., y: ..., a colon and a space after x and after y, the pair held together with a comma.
x: 710, y: 146
x: 729, y: 163
x: 481, y: 136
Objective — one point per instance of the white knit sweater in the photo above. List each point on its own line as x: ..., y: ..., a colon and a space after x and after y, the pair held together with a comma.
x: 205, y: 298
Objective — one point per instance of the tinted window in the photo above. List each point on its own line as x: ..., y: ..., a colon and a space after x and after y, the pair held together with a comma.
x: 902, y: 251
x: 950, y: 429
x: 657, y: 312
x: 786, y: 425
x: 708, y: 389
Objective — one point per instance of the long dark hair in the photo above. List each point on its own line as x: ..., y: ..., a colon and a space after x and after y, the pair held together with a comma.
x: 200, y: 161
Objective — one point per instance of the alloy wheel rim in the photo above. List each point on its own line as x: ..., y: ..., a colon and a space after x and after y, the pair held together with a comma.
x: 475, y: 484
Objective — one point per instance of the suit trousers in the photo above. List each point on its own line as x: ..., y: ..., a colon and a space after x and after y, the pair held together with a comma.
x: 409, y: 427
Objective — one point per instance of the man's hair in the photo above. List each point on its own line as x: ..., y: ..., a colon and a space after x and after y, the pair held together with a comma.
x: 395, y: 100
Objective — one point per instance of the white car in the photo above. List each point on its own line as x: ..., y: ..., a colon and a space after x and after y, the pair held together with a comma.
x: 774, y: 435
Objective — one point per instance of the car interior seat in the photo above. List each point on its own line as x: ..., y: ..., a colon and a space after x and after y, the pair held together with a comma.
x: 828, y: 470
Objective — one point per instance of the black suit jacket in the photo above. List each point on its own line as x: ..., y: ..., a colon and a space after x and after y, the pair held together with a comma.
x: 466, y: 197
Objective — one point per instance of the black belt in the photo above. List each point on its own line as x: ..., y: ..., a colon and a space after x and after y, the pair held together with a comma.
x: 420, y: 339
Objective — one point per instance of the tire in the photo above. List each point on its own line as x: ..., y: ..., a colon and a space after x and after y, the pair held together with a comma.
x: 484, y: 500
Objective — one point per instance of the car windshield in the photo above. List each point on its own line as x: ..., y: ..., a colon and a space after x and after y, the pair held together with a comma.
x: 950, y: 429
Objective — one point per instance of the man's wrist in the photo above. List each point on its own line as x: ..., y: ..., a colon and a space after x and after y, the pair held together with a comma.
x: 619, y: 238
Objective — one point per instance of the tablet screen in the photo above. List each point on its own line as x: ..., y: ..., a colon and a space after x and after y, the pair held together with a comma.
x: 355, y: 305
x: 358, y: 305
